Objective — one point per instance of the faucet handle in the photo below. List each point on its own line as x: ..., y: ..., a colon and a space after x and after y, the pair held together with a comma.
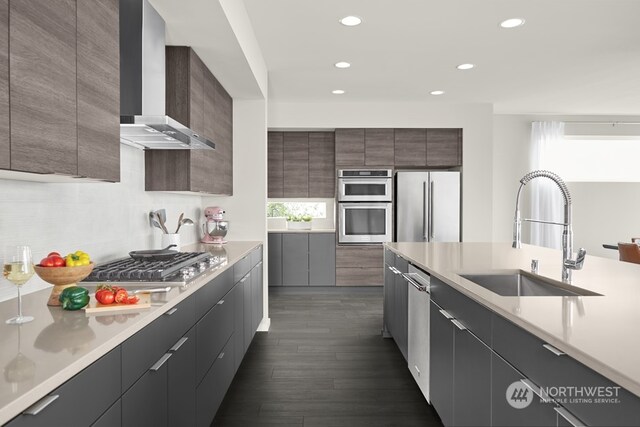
x: 578, y: 262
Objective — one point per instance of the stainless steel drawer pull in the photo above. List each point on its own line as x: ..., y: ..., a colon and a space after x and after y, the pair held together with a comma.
x: 221, y: 356
x: 553, y: 350
x: 534, y: 388
x: 244, y: 279
x: 179, y: 344
x: 170, y: 312
x: 459, y: 325
x: 39, y: 406
x: 445, y: 314
x: 259, y: 264
x: 161, y: 362
x: 569, y: 417
x: 415, y: 284
x: 220, y: 302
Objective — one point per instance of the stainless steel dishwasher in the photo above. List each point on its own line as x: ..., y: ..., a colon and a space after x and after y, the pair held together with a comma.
x: 418, y: 348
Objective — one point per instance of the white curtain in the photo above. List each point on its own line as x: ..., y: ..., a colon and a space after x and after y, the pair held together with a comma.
x: 546, y: 200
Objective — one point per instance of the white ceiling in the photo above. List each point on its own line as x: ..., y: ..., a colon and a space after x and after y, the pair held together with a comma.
x: 571, y: 56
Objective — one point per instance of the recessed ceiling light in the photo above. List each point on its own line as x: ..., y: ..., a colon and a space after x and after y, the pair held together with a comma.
x: 342, y: 64
x: 512, y: 23
x: 437, y: 92
x: 337, y: 92
x: 351, y: 21
x: 465, y: 66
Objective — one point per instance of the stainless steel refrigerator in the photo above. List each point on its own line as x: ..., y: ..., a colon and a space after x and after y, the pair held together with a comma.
x: 427, y: 206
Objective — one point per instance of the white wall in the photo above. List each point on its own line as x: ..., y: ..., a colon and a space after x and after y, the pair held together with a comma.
x: 104, y: 219
x: 602, y: 212
x: 475, y: 119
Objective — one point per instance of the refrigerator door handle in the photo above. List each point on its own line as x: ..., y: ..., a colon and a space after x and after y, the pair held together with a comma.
x: 431, y: 226
x: 425, y: 200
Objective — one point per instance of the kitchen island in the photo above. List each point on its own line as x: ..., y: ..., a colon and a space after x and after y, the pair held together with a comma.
x: 597, y: 329
x: 39, y: 356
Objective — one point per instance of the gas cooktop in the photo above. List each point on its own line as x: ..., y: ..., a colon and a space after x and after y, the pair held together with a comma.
x: 177, y: 271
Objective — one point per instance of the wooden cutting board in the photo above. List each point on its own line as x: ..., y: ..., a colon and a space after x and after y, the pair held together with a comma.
x: 94, y: 307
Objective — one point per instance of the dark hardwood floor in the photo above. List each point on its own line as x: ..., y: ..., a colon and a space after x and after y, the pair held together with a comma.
x: 324, y: 363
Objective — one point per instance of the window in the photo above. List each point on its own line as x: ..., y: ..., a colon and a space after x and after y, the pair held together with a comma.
x: 596, y: 160
x: 287, y: 209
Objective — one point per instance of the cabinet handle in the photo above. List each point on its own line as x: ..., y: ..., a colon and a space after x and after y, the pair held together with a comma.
x: 445, y: 314
x: 179, y: 344
x: 221, y: 355
x: 220, y: 302
x: 415, y: 284
x: 535, y: 389
x: 170, y: 312
x: 569, y: 417
x: 161, y: 362
x: 417, y: 369
x: 553, y: 350
x: 244, y: 279
x: 39, y: 406
x: 259, y: 264
x: 459, y: 325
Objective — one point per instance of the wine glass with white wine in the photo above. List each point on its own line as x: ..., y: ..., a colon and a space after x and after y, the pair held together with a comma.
x: 18, y: 269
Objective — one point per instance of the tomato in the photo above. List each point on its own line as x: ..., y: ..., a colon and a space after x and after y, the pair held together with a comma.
x: 121, y: 296
x: 58, y: 261
x: 46, y: 262
x: 132, y: 300
x: 105, y: 296
x: 53, y: 253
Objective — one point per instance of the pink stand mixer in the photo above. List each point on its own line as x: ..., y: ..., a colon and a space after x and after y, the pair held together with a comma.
x: 215, y: 227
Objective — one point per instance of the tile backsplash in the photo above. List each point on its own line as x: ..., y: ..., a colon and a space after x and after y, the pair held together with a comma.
x: 104, y: 219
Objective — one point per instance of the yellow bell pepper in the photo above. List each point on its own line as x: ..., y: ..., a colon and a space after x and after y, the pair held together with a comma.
x: 78, y: 258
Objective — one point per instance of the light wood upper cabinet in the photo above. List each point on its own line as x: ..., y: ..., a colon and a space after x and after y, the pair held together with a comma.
x: 349, y: 147
x: 444, y: 147
x: 275, y: 164
x: 42, y: 84
x: 5, y: 146
x: 98, y: 89
x: 223, y: 137
x: 296, y: 164
x: 379, y: 147
x: 322, y: 175
x: 410, y: 147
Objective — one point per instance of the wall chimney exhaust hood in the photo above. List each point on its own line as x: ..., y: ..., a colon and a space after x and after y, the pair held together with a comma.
x: 143, y: 121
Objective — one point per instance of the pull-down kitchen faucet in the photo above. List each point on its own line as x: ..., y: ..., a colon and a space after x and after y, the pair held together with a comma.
x: 568, y: 263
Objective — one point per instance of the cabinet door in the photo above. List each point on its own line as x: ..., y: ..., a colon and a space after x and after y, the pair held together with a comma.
x: 410, y: 147
x: 401, y: 307
x: 238, y: 323
x: 295, y: 259
x: 296, y: 164
x: 111, y: 418
x: 247, y: 333
x: 196, y: 94
x: 502, y: 413
x: 181, y: 381
x: 349, y: 147
x: 145, y: 403
x: 275, y: 164
x: 322, y: 259
x: 441, y: 368
x: 389, y: 299
x: 211, y: 390
x: 471, y: 380
x: 212, y: 159
x: 5, y: 146
x: 42, y: 84
x: 378, y: 149
x: 256, y: 297
x: 444, y: 147
x: 322, y: 165
x: 98, y: 89
x: 223, y: 108
x: 275, y: 259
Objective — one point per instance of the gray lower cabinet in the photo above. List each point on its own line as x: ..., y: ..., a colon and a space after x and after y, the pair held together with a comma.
x: 295, y: 259
x: 401, y: 307
x: 275, y: 259
x: 111, y: 418
x: 70, y: 404
x: 211, y: 390
x: 145, y: 403
x: 257, y: 309
x: 441, y: 364
x: 239, y: 320
x: 389, y: 295
x: 322, y: 260
x: 181, y: 381
x: 247, y: 332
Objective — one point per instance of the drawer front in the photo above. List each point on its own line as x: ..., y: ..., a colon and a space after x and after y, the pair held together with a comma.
x: 256, y: 256
x: 389, y: 257
x: 141, y: 351
x: 241, y: 268
x: 368, y: 276
x: 212, y: 333
x: 527, y: 353
x: 211, y: 391
x: 178, y: 320
x: 210, y: 294
x: 402, y: 264
x: 470, y: 313
x: 74, y: 399
x: 359, y: 256
x: 111, y: 418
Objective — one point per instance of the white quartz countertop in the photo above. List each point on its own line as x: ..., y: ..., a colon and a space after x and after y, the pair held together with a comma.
x: 313, y: 230
x: 39, y: 356
x: 599, y: 331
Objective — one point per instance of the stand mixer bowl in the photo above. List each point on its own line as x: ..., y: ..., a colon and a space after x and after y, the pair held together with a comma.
x: 216, y: 230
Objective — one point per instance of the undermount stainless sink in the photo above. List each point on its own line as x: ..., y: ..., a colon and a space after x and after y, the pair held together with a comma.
x: 519, y: 283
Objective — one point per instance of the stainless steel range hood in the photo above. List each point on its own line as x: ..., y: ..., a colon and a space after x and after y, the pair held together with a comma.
x: 143, y: 122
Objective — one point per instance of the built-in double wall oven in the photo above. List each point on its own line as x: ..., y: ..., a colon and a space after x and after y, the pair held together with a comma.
x: 365, y: 206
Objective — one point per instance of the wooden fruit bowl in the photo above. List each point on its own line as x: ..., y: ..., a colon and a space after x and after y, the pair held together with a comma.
x: 61, y: 278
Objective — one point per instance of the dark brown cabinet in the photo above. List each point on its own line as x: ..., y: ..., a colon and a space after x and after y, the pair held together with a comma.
x: 378, y: 147
x: 275, y: 164
x: 98, y: 89
x: 42, y: 84
x: 350, y: 147
x: 410, y: 147
x: 196, y: 99
x: 444, y: 147
x: 296, y: 164
x: 5, y: 145
x: 322, y: 176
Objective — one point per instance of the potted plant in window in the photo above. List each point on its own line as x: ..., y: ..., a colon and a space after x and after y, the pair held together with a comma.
x: 299, y: 222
